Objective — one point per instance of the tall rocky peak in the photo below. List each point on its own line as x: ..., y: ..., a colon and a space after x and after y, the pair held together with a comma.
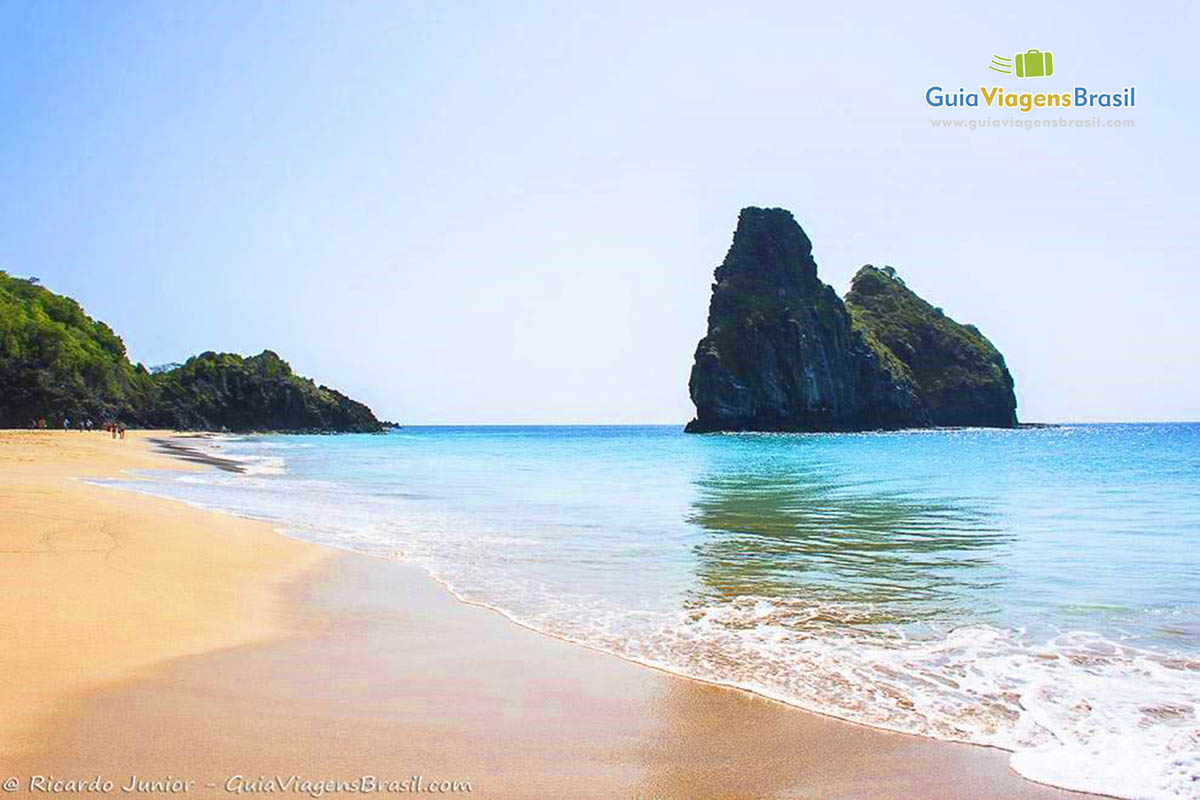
x: 784, y: 353
x: 960, y: 376
x: 781, y: 352
x: 769, y: 246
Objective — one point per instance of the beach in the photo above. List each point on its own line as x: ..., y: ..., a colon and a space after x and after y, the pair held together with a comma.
x: 146, y: 637
x: 102, y: 585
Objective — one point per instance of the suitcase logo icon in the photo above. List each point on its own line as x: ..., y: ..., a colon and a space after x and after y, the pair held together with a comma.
x: 1030, y: 64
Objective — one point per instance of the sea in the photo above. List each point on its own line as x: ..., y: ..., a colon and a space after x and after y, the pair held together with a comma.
x: 1035, y: 590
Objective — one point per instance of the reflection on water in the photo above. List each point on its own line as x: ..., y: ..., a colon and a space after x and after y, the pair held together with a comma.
x: 1035, y: 590
x: 789, y: 527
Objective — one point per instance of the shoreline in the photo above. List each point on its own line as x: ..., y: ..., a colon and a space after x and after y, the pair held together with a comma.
x: 171, y: 446
x: 611, y: 722
x: 102, y: 585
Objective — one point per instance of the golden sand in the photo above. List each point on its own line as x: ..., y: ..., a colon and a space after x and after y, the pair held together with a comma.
x: 146, y: 638
x: 100, y: 584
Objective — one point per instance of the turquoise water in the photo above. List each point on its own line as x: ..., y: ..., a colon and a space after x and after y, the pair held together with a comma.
x: 1037, y: 590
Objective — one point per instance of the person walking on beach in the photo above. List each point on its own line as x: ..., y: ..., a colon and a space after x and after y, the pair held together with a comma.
x: 122, y: 431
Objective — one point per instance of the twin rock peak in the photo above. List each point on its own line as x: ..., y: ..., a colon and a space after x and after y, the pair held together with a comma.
x: 784, y: 353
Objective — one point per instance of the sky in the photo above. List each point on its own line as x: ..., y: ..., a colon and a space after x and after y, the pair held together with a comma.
x: 488, y: 213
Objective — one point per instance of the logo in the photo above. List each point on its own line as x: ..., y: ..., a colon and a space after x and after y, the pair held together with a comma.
x: 1030, y: 64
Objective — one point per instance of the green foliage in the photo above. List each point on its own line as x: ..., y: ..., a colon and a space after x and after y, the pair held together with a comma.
x: 228, y: 391
x: 56, y: 361
x: 215, y: 391
x: 959, y: 373
x: 898, y: 370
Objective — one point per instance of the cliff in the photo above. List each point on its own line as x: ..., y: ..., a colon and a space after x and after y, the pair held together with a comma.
x: 784, y: 353
x: 960, y: 376
x: 781, y: 353
x: 56, y: 362
x: 212, y: 391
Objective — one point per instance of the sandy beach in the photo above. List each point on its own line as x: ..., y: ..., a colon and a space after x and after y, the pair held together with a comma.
x: 101, y: 585
x: 147, y: 638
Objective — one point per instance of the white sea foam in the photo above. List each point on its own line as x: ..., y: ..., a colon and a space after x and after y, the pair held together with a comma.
x: 1077, y: 710
x: 262, y: 465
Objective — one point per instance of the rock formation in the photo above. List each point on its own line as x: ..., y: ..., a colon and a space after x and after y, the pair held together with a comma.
x: 781, y: 352
x: 784, y: 353
x: 58, y: 363
x: 214, y: 391
x: 960, y: 376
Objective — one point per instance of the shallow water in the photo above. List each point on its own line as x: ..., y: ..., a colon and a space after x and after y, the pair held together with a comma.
x: 1037, y: 590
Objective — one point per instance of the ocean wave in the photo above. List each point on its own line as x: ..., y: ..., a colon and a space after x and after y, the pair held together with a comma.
x: 1077, y: 709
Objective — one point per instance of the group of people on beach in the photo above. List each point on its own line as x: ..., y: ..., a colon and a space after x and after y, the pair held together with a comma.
x: 117, y: 429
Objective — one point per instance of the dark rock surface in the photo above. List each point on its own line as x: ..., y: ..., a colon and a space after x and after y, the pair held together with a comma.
x: 781, y: 352
x: 215, y: 391
x: 960, y: 376
x: 57, y: 363
x: 784, y: 353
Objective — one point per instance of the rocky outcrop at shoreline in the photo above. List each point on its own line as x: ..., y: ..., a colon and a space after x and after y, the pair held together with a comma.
x: 224, y: 391
x: 959, y: 375
x: 58, y: 365
x: 784, y: 353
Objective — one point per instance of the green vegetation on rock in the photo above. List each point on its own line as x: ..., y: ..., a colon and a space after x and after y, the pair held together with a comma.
x: 225, y: 390
x: 58, y: 363
x: 784, y: 353
x: 781, y: 353
x: 960, y: 376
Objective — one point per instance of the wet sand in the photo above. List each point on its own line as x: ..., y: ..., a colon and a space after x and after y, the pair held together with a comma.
x: 181, y: 447
x: 364, y: 666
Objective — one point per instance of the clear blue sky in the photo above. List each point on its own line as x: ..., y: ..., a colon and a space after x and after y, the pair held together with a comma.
x: 510, y: 212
